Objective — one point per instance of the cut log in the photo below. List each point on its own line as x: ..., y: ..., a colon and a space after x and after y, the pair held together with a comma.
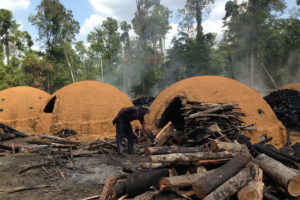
x: 286, y: 177
x: 152, y: 165
x: 173, y: 149
x: 117, y: 190
x: 191, y: 157
x: 7, y: 136
x: 140, y: 182
x: 231, y: 186
x: 169, y: 183
x: 51, y: 137
x: 273, y: 154
x: 206, y: 162
x: 210, y: 182
x: 216, y: 145
x: 254, y: 189
x: 164, y: 135
x: 109, y: 181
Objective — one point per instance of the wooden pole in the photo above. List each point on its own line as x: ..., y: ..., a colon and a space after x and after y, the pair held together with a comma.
x: 231, y: 186
x: 191, y: 157
x: 216, y: 145
x: 172, y: 149
x: 210, y: 182
x: 281, y: 174
x: 254, y: 189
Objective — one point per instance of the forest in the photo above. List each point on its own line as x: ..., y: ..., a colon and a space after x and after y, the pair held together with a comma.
x: 260, y: 47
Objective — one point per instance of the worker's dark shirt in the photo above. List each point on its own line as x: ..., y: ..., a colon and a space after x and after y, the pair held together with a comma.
x: 131, y: 113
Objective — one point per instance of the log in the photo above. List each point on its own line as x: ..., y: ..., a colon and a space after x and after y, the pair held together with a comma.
x: 109, y: 181
x: 218, y: 107
x: 53, y: 138
x: 173, y: 149
x: 117, y: 190
x: 286, y: 177
x: 170, y: 183
x: 145, y: 180
x: 7, y: 136
x: 191, y: 157
x: 254, y: 189
x: 210, y: 182
x: 216, y: 145
x: 273, y: 154
x: 152, y: 165
x: 164, y: 135
x: 231, y: 186
x: 206, y: 162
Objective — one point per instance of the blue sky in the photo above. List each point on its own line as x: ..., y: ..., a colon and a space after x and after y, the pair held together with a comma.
x: 90, y: 13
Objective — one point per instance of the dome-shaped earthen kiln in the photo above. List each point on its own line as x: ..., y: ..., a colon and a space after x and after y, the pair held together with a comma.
x: 19, y: 107
x: 87, y: 107
x: 216, y: 89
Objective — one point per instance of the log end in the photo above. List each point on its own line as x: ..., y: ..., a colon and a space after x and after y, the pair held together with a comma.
x: 248, y: 193
x: 294, y: 186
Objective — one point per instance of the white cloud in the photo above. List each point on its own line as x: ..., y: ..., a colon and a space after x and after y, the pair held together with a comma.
x: 214, y: 22
x: 120, y: 10
x: 172, y: 33
x: 90, y: 23
x: 15, y: 5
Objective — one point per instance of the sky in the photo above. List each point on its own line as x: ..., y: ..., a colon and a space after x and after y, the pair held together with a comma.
x: 91, y: 13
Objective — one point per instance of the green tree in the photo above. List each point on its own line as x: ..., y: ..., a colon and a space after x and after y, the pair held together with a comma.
x: 37, y: 71
x: 57, y: 30
x: 106, y: 44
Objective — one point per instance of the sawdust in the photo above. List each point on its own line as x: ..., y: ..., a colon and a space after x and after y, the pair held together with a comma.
x: 88, y: 107
x: 217, y: 89
x: 20, y: 107
x: 292, y: 86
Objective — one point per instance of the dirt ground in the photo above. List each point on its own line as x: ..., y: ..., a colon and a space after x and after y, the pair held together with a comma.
x: 84, y: 176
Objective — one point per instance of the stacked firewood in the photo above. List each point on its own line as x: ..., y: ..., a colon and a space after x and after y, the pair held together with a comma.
x: 203, y: 121
x: 224, y: 170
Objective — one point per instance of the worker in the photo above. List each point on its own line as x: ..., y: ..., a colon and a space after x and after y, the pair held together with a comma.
x: 124, y: 128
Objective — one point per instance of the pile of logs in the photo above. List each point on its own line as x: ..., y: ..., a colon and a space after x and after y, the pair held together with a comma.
x: 204, y: 122
x: 286, y: 106
x: 222, y: 170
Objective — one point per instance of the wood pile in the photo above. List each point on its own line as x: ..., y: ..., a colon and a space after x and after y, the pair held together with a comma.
x: 223, y: 170
x: 202, y: 122
x: 211, y: 159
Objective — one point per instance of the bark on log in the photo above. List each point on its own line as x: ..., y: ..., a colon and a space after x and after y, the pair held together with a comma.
x: 216, y: 145
x: 173, y: 149
x: 210, y: 182
x: 140, y: 182
x: 152, y: 165
x: 117, y: 190
x: 206, y: 162
x: 231, y: 186
x: 164, y: 135
x: 109, y: 181
x: 218, y: 107
x: 191, y: 157
x: 7, y: 136
x: 53, y: 138
x: 273, y: 154
x: 169, y: 183
x: 254, y: 189
x: 281, y: 174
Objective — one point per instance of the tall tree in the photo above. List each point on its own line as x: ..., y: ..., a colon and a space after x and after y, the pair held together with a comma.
x: 106, y: 43
x: 57, y: 30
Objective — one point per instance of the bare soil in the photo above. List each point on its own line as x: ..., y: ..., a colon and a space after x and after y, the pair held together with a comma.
x: 84, y: 176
